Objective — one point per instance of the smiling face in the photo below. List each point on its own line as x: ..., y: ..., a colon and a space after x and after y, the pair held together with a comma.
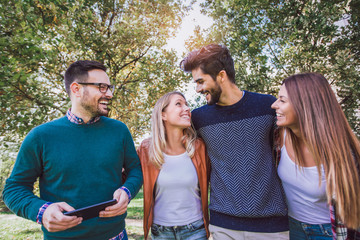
x: 206, y: 85
x: 285, y: 112
x: 94, y: 102
x: 177, y: 113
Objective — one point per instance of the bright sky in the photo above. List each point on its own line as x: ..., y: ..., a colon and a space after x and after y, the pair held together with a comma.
x: 192, y: 19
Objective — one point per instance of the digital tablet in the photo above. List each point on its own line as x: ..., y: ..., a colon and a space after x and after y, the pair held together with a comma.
x: 91, y: 211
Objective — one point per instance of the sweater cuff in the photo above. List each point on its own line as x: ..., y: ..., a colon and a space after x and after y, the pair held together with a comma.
x: 127, y: 192
x: 41, y: 212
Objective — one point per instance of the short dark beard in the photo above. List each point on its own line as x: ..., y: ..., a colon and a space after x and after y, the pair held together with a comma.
x: 94, y: 112
x: 215, y: 95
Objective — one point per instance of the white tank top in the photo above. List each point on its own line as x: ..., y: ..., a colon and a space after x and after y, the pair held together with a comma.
x: 177, y: 193
x: 305, y: 199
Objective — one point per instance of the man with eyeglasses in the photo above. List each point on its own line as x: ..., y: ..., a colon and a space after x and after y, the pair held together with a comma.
x: 246, y: 197
x: 79, y: 160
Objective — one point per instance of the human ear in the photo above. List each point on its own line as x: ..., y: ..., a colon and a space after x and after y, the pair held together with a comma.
x: 75, y: 89
x: 163, y: 116
x: 221, y: 76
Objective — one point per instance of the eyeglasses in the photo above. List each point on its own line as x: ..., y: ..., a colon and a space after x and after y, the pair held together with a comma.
x: 103, y: 87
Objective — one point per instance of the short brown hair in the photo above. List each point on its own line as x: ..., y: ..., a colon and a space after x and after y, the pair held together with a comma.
x: 211, y: 59
x: 79, y: 71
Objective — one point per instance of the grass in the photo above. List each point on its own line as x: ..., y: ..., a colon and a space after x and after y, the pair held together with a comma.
x: 13, y: 227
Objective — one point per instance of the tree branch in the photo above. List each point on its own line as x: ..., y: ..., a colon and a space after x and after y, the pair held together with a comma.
x: 273, y: 53
x: 136, y: 59
x: 37, y: 101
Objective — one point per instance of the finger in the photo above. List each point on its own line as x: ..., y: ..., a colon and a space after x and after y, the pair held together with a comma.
x: 117, y: 194
x: 65, y: 207
x: 112, y: 213
x: 57, y: 227
x: 54, y: 224
x: 115, y: 211
x: 114, y: 207
x: 55, y: 220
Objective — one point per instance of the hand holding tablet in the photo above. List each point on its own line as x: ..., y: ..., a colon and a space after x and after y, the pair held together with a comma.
x: 91, y: 211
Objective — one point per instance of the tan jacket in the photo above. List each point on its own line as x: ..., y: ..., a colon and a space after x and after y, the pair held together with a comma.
x: 150, y: 173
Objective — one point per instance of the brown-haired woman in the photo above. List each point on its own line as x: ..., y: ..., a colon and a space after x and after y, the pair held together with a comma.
x: 319, y: 163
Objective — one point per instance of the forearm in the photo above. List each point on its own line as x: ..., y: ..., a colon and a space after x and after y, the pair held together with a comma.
x: 134, y: 180
x: 21, y: 200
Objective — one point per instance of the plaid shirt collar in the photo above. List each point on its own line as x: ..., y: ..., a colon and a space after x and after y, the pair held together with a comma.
x: 74, y: 119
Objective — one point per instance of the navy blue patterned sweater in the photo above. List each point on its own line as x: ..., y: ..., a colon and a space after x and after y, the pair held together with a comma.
x: 245, y: 191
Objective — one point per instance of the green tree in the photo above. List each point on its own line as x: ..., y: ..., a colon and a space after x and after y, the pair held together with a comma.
x: 40, y: 38
x: 271, y: 40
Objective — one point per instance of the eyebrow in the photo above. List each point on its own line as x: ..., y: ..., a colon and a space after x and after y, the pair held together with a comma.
x: 197, y: 80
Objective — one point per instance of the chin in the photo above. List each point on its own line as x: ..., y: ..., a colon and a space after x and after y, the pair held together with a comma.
x: 280, y: 124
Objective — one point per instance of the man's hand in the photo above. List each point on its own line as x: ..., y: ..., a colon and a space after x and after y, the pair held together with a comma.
x: 119, y: 208
x: 54, y: 220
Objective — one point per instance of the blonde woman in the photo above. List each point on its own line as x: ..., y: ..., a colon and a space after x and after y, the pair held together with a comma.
x: 175, y: 168
x: 319, y: 163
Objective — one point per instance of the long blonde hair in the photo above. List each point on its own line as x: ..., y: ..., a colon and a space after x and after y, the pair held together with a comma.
x: 158, y: 132
x: 329, y: 138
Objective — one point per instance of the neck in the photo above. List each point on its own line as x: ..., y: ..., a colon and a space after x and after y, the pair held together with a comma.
x: 296, y: 131
x: 173, y: 142
x: 81, y: 113
x: 230, y: 95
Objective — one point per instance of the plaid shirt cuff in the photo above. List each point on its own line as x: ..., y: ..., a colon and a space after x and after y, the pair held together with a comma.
x: 41, y: 212
x: 127, y: 192
x: 121, y: 236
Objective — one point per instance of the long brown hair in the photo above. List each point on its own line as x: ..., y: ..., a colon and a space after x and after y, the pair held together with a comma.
x: 158, y: 141
x: 329, y: 138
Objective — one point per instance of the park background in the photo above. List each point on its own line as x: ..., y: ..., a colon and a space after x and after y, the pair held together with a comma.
x: 142, y: 43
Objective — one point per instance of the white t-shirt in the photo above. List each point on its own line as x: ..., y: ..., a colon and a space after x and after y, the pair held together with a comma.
x: 306, y: 201
x: 177, y: 193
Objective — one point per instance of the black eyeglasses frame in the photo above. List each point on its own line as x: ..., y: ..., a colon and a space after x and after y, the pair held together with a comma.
x: 101, y: 86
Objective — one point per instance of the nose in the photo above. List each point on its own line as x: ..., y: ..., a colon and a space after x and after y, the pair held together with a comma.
x: 109, y: 94
x: 274, y: 105
x: 186, y: 108
x: 198, y: 88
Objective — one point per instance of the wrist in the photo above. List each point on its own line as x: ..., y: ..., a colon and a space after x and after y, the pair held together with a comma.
x: 41, y: 212
x: 127, y: 192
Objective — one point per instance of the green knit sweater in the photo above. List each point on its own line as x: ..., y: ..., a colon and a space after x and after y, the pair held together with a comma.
x: 77, y: 164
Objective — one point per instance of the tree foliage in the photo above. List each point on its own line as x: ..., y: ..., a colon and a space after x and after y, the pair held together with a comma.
x: 271, y: 40
x: 41, y: 38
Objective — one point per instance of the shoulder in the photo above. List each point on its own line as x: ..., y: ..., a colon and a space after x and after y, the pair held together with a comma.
x: 200, y: 151
x: 259, y: 104
x: 201, y: 110
x: 200, y: 148
x: 114, y: 126
x: 260, y: 97
x: 113, y: 122
x: 199, y: 114
x: 43, y: 133
x: 143, y: 150
x: 145, y: 144
x: 199, y: 144
x: 45, y: 127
